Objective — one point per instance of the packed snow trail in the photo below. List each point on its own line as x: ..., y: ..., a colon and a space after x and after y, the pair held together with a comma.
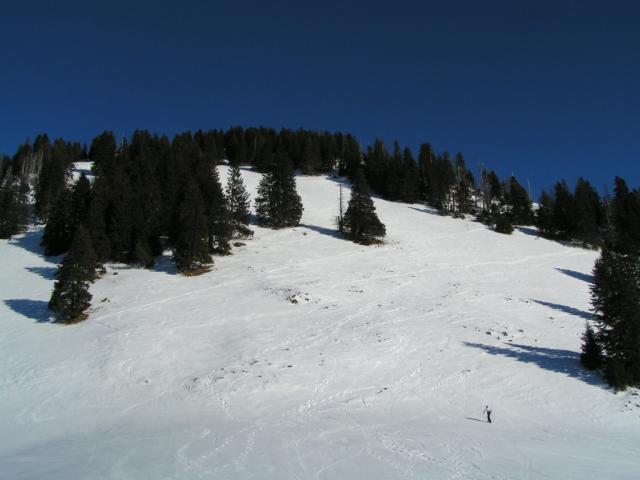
x: 305, y: 356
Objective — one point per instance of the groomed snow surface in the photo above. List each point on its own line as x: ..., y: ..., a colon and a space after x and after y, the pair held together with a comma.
x: 305, y: 356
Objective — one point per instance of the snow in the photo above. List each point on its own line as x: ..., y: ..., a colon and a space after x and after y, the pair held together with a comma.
x: 305, y: 356
x: 80, y: 168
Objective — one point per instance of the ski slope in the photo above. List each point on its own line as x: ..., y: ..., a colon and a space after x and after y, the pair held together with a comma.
x: 305, y: 356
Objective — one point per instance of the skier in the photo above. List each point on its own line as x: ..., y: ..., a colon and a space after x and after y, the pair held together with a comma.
x: 488, y: 412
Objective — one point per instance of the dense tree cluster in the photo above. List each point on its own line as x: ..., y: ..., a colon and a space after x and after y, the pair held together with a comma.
x: 615, y: 294
x: 577, y: 215
x: 152, y: 193
x: 13, y: 204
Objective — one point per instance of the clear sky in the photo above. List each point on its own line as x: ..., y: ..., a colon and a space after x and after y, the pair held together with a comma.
x: 543, y: 89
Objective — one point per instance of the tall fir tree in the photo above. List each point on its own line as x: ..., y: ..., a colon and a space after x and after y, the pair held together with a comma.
x: 545, y: 220
x: 278, y: 204
x: 519, y: 203
x: 626, y: 218
x: 191, y: 250
x: 588, y: 216
x: 14, y: 208
x: 464, y: 187
x: 563, y: 211
x: 71, y: 297
x: 59, y: 230
x: 217, y: 210
x: 615, y: 297
x: 238, y: 199
x: 591, y: 355
x: 97, y: 225
x: 360, y: 222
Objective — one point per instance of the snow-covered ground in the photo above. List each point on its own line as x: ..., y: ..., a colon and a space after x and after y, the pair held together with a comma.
x: 305, y: 356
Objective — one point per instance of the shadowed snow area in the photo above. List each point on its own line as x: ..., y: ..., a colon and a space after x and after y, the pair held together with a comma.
x: 305, y: 356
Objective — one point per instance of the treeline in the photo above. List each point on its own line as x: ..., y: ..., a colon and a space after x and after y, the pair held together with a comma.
x: 151, y: 193
x: 438, y: 179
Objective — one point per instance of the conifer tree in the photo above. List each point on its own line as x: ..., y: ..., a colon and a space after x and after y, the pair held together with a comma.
x: 278, y: 204
x: 545, y: 220
x: 444, y: 179
x: 102, y: 153
x: 13, y: 205
x: 410, y: 182
x: 464, y: 187
x: 495, y: 187
x: 218, y: 215
x: 626, y: 218
x: 80, y: 201
x: 311, y: 157
x: 191, y: 250
x: 238, y: 199
x: 71, y: 297
x: 615, y: 296
x: 59, y: 230
x: 519, y: 203
x: 587, y: 214
x: 57, y: 161
x: 503, y: 222
x: 563, y: 211
x: 591, y: 356
x: 97, y: 225
x: 360, y: 222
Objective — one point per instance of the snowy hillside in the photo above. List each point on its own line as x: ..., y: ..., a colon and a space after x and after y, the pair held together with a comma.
x: 305, y: 356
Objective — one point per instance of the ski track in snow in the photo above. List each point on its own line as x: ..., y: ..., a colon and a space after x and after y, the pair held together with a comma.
x: 304, y: 356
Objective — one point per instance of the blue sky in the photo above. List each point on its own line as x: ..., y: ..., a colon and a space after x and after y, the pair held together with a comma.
x: 545, y: 90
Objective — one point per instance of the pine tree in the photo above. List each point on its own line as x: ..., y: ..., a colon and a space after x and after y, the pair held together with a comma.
x: 80, y: 201
x: 545, y: 220
x: 563, y: 215
x: 238, y: 200
x: 311, y: 157
x: 587, y: 214
x: 191, y: 250
x: 591, y: 356
x: 97, y: 225
x: 13, y: 205
x: 443, y: 181
x: 626, y: 218
x: 103, y: 152
x: 360, y: 222
x: 278, y: 204
x: 57, y: 161
x: 503, y: 223
x: 426, y: 158
x: 615, y: 296
x: 410, y: 182
x: 519, y: 203
x: 59, y: 230
x: 71, y: 297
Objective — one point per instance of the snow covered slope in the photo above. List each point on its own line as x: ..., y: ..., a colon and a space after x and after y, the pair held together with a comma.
x: 305, y: 356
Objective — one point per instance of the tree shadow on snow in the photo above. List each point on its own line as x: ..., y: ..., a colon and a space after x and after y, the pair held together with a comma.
x: 30, y: 241
x: 48, y: 273
x: 566, y: 362
x: 164, y: 264
x: 529, y: 231
x: 429, y: 210
x: 585, y: 277
x: 322, y: 230
x: 37, y: 310
x: 566, y: 309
